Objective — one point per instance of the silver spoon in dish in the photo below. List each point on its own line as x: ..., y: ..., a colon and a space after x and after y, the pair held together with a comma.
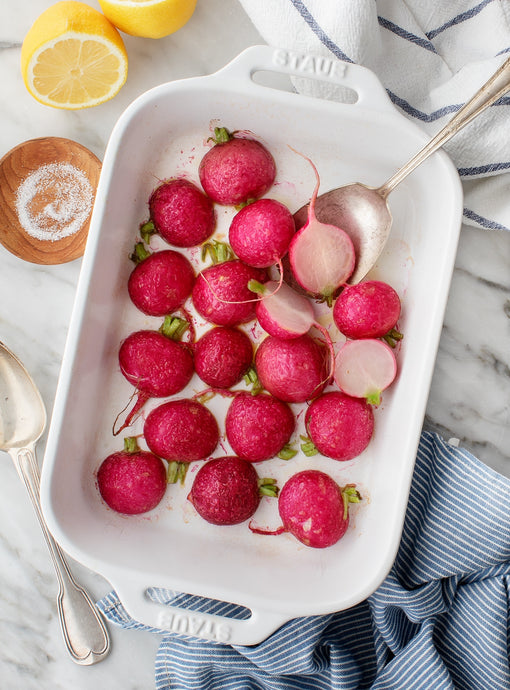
x: 22, y: 422
x: 363, y: 211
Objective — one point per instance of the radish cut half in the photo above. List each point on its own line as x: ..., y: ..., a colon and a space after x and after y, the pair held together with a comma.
x: 284, y: 313
x: 322, y: 258
x: 364, y: 368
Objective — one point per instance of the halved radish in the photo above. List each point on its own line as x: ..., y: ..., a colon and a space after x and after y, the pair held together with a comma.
x: 321, y: 256
x: 365, y: 368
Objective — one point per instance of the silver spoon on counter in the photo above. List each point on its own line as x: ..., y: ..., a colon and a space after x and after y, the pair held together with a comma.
x: 22, y: 422
x: 363, y: 211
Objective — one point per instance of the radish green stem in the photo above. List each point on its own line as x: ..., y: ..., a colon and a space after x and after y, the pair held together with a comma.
x: 268, y: 487
x: 260, y: 289
x: 392, y: 337
x: 176, y: 472
x: 140, y: 253
x: 147, y: 230
x: 218, y: 252
x: 174, y: 327
x: 251, y: 379
x: 221, y: 135
x: 257, y: 287
x: 350, y: 495
x: 308, y: 447
x: 131, y: 444
x: 287, y: 452
x: 374, y: 398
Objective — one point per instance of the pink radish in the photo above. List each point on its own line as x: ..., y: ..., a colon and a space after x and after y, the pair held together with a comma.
x: 369, y: 309
x: 221, y: 294
x: 365, y: 368
x: 222, y: 356
x: 181, y: 430
x: 260, y: 233
x: 339, y: 426
x: 236, y: 169
x: 283, y: 312
x: 293, y: 370
x: 155, y: 365
x: 314, y: 509
x: 181, y: 213
x: 258, y: 426
x: 161, y: 282
x: 132, y: 481
x: 227, y: 490
x: 321, y: 256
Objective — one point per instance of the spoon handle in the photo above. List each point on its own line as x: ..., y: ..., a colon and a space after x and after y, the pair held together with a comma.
x: 85, y: 634
x: 494, y: 88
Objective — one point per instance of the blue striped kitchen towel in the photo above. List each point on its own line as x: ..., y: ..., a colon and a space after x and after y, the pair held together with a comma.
x: 431, y: 56
x: 440, y: 620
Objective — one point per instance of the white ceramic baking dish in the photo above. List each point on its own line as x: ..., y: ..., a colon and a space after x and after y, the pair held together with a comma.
x: 164, y: 133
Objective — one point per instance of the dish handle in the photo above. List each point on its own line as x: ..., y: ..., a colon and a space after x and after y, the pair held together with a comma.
x: 362, y: 81
x: 207, y: 626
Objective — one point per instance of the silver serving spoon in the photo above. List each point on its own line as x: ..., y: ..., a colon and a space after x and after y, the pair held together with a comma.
x: 363, y: 211
x: 22, y: 422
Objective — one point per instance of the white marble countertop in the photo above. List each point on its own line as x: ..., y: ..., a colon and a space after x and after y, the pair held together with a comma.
x: 469, y: 397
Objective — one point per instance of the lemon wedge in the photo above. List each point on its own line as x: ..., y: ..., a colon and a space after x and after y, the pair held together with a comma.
x: 73, y: 57
x: 148, y: 18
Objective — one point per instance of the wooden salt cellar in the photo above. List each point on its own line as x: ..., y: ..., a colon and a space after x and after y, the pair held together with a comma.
x: 15, y: 167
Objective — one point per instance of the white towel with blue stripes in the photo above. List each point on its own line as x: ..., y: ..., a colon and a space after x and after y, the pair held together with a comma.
x: 431, y: 56
x: 438, y: 622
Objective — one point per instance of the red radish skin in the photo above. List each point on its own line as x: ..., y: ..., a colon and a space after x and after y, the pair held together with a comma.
x: 294, y: 370
x: 161, y: 282
x: 260, y: 233
x: 369, y: 309
x: 258, y: 426
x: 181, y: 213
x: 236, y: 169
x: 222, y: 356
x: 221, y: 294
x: 227, y: 490
x: 321, y: 256
x: 181, y: 430
x: 314, y: 509
x: 132, y: 481
x: 365, y: 368
x: 155, y: 365
x: 339, y: 426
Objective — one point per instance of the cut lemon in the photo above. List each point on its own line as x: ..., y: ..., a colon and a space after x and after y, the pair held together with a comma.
x: 73, y: 57
x: 148, y: 18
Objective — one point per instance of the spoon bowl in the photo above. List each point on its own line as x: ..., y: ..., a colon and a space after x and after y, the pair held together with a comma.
x: 22, y: 411
x: 22, y: 423
x: 363, y: 211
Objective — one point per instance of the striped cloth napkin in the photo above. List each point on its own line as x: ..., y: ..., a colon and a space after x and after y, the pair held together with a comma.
x: 438, y: 622
x: 431, y: 56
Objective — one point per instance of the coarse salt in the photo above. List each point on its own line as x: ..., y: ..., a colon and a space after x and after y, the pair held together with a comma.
x: 54, y: 201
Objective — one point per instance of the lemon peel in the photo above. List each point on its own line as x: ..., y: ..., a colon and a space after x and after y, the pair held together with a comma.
x: 148, y: 18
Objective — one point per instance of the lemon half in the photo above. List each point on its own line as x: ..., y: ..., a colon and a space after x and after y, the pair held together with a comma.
x: 73, y: 57
x: 148, y: 18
